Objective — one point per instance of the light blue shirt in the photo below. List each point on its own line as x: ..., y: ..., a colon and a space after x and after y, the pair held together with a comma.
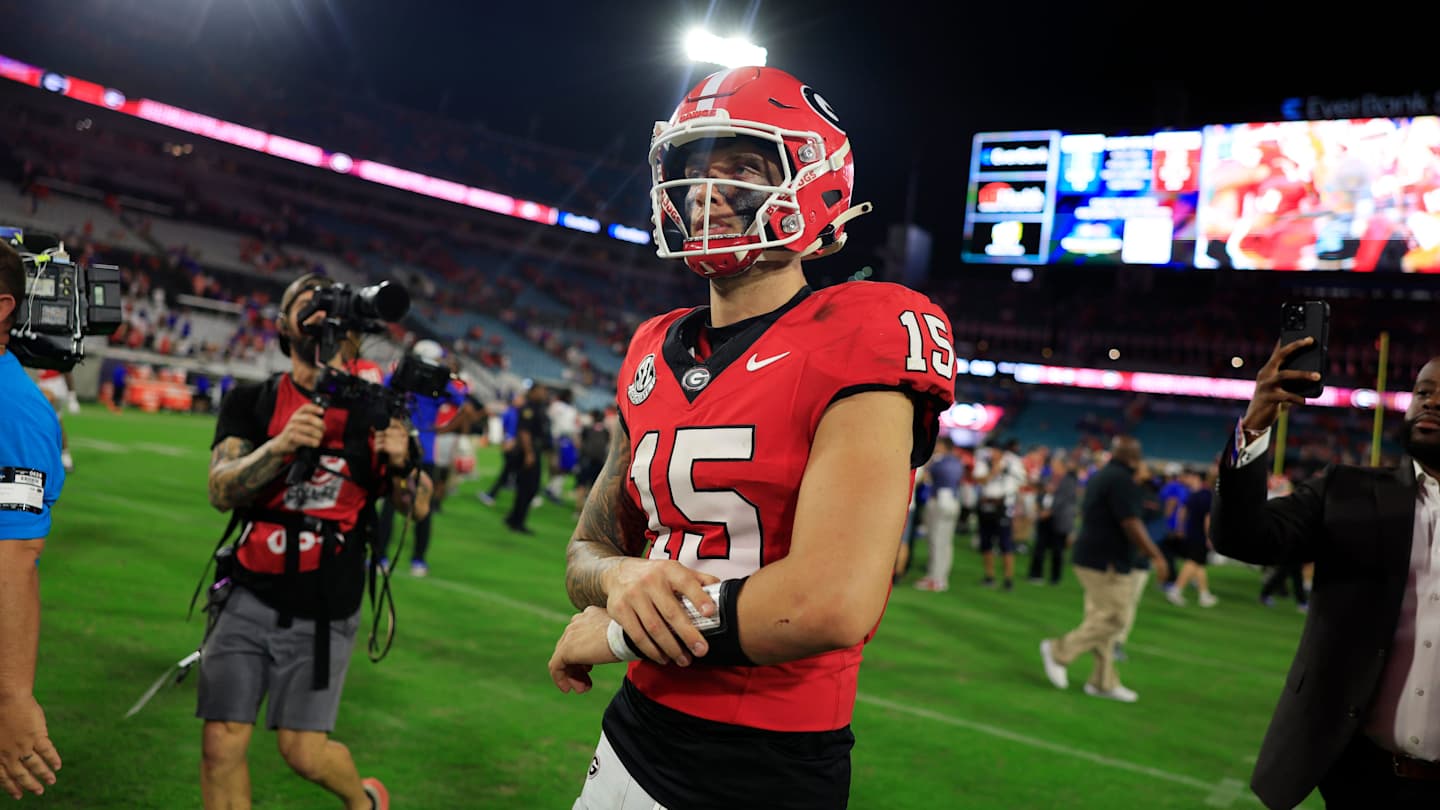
x: 31, y: 475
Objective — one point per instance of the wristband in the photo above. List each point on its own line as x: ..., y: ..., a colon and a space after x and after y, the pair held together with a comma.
x: 620, y: 644
x: 722, y: 631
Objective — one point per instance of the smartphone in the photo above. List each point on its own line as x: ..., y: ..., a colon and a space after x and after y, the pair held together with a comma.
x: 1301, y: 320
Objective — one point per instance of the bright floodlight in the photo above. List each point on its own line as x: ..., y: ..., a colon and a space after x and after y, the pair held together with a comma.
x: 703, y: 46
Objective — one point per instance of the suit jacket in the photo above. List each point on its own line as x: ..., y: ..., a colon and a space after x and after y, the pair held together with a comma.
x: 1066, y: 505
x: 1356, y: 524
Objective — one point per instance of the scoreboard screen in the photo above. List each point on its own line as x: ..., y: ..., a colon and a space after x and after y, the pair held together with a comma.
x: 1056, y: 198
x: 1351, y: 195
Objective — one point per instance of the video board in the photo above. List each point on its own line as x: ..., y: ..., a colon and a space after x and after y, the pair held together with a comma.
x: 1357, y: 195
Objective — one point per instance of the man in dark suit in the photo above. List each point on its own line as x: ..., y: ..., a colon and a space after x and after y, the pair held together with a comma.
x: 1358, y: 716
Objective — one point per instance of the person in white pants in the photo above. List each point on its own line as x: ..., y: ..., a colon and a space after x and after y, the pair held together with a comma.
x: 941, y: 514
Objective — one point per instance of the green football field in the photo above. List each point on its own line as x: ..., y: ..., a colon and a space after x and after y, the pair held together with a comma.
x: 954, y: 710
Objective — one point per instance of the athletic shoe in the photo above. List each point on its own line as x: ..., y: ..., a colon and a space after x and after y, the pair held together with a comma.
x: 1119, y: 693
x: 67, y: 461
x: 519, y: 529
x: 379, y: 796
x: 928, y: 584
x: 1056, y: 673
x: 419, y: 569
x: 1303, y: 607
x: 73, y: 403
x: 987, y: 582
x: 1266, y: 601
x: 1174, y: 597
x: 1207, y: 599
x: 485, y: 498
x: 1036, y: 580
x: 1009, y: 585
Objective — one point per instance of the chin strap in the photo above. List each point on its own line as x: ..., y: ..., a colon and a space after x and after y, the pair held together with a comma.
x: 820, y: 247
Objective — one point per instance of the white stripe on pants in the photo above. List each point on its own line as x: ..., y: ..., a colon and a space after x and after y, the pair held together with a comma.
x: 941, y: 515
x: 608, y: 786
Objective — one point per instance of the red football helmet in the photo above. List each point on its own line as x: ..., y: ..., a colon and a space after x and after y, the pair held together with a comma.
x: 803, y: 211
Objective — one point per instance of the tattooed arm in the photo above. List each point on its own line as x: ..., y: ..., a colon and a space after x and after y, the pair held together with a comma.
x: 603, y: 567
x: 599, y: 544
x: 238, y: 469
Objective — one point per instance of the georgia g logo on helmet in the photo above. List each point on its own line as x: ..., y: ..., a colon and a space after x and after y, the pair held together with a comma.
x: 821, y: 107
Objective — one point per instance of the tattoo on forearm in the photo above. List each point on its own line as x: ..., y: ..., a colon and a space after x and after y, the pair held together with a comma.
x: 611, y: 528
x: 238, y: 471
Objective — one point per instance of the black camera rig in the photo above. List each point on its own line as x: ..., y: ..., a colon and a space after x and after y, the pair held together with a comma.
x: 373, y: 403
x: 64, y: 302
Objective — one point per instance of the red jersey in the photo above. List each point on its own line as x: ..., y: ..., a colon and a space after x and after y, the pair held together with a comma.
x: 331, y: 492
x: 367, y: 370
x: 719, y: 449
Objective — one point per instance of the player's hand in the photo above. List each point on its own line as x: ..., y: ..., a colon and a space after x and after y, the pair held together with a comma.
x: 28, y: 760
x: 1265, y: 405
x: 583, y: 645
x: 394, y: 444
x: 306, y: 428
x: 644, y: 596
x: 1161, y: 569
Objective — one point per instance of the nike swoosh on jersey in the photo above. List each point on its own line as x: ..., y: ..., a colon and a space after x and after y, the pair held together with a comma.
x: 755, y: 363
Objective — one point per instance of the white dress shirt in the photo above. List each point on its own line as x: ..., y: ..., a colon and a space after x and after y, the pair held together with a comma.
x: 1405, y: 715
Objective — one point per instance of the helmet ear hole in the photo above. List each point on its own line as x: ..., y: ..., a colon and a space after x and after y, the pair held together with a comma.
x: 831, y: 197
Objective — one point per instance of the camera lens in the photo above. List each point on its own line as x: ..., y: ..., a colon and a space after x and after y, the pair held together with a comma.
x: 387, y: 301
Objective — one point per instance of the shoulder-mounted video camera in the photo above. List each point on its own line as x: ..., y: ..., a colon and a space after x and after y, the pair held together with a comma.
x: 64, y: 302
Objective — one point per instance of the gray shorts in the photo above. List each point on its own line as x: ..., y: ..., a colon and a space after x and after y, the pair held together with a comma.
x: 249, y: 656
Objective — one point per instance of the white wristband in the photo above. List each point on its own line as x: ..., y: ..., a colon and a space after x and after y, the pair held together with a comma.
x: 615, y: 634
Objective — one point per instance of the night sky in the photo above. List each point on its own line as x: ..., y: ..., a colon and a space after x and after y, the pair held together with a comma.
x: 912, y: 82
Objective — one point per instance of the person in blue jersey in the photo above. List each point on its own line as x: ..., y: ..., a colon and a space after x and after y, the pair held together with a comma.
x: 424, y: 415
x: 510, y: 453
x: 31, y: 477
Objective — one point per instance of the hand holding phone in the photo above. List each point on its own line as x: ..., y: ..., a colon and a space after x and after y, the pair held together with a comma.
x: 1273, y: 383
x: 1310, y: 319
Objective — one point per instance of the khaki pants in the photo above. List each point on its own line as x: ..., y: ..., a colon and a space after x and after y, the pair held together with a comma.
x: 941, y: 515
x: 1139, y: 578
x: 1108, y: 597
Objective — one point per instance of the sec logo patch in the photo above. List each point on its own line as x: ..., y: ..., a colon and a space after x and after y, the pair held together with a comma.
x: 644, y: 382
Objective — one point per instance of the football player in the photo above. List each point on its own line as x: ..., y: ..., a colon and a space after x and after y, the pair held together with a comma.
x: 737, y: 546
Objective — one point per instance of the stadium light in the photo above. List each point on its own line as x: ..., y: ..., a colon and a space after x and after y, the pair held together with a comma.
x: 703, y: 46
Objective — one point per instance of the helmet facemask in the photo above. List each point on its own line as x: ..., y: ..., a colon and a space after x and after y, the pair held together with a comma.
x: 719, y: 188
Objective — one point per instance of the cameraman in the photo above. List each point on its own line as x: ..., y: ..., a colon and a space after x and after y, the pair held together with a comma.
x: 299, y: 566
x: 31, y: 476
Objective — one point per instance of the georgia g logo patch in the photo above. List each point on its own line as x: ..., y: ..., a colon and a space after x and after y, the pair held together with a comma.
x: 644, y: 381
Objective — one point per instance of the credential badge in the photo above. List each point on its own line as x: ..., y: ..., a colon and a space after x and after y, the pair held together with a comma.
x: 644, y: 381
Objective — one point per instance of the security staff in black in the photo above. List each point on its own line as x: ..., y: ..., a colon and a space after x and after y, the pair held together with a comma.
x: 532, y: 441
x: 289, y: 624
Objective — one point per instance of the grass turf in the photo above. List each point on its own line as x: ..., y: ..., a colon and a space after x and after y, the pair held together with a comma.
x: 954, y: 710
